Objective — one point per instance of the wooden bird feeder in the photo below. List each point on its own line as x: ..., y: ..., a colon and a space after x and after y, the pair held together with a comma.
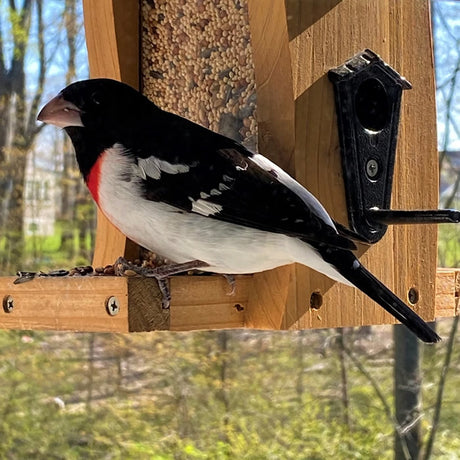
x: 227, y: 65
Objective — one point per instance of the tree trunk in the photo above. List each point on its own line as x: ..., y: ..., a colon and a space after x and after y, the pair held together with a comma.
x: 68, y: 210
x: 344, y: 377
x: 222, y: 344
x: 407, y: 384
x: 19, y: 130
x: 91, y: 371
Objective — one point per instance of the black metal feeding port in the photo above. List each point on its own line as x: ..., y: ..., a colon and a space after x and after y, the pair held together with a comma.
x: 368, y: 98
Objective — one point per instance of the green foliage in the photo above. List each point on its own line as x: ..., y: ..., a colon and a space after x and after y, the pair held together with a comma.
x: 449, y: 245
x: 218, y: 395
x: 65, y: 248
x: 19, y: 31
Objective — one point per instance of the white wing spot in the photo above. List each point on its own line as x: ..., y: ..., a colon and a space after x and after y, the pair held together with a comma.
x: 138, y: 171
x: 204, y: 195
x: 223, y: 187
x: 228, y: 178
x: 172, y: 168
x: 242, y: 167
x: 149, y: 167
x: 205, y: 207
x: 214, y: 191
x: 153, y: 167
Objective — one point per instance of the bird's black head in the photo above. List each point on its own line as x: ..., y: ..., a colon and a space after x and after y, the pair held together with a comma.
x: 106, y: 109
x: 97, y: 114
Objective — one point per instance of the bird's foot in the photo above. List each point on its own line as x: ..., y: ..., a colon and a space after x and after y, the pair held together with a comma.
x: 161, y: 274
x: 123, y: 267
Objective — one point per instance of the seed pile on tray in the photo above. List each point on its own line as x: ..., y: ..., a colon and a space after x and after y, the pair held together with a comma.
x: 197, y: 63
x: 148, y: 261
x: 131, y: 269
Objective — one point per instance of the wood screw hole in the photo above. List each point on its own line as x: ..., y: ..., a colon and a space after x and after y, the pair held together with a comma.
x: 412, y: 295
x: 316, y: 300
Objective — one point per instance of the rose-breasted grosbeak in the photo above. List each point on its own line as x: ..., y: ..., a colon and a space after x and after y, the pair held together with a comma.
x: 188, y: 193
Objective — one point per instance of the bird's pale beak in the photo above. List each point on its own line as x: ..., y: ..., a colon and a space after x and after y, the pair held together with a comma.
x: 61, y: 113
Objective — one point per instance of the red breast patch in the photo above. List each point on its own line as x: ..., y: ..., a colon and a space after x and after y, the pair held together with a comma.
x: 94, y: 177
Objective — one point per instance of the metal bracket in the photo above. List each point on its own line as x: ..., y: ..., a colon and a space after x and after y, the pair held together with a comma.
x: 368, y: 98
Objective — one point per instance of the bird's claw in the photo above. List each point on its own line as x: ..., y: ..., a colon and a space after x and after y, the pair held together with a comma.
x: 163, y: 284
x: 232, y: 282
x: 161, y: 274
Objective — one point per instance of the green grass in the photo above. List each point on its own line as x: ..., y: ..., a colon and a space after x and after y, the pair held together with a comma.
x: 449, y: 245
x: 53, y: 251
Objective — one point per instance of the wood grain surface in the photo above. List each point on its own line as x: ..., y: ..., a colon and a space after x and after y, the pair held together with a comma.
x: 198, y: 302
x: 294, y: 44
x: 112, y: 40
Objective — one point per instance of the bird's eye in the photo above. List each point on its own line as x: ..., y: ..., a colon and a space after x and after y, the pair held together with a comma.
x: 96, y: 98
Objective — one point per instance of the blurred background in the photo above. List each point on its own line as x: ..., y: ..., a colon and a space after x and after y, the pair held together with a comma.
x: 223, y: 394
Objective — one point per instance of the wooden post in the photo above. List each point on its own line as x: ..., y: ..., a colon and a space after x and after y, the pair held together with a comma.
x: 324, y: 35
x: 276, y: 123
x: 112, y: 39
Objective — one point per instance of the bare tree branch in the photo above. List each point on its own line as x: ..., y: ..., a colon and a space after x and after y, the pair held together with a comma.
x: 442, y: 19
x: 42, y: 68
x: 450, y: 199
x: 399, y: 430
x: 441, y: 386
x: 448, y: 113
x: 20, y: 22
x: 344, y: 378
x: 2, y: 58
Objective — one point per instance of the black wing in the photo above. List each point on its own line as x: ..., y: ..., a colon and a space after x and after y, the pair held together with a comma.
x: 196, y: 170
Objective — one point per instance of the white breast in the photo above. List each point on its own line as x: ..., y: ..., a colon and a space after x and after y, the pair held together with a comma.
x: 181, y: 236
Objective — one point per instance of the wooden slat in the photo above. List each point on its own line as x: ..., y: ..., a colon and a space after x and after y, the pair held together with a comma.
x: 416, y: 183
x: 198, y: 302
x: 79, y: 304
x: 270, y: 298
x: 447, y: 292
x: 112, y: 39
x: 271, y: 290
x: 145, y: 311
x: 206, y: 302
x: 323, y: 35
x: 272, y: 69
x: 73, y: 304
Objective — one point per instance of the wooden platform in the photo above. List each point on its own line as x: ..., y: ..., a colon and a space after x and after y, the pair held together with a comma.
x: 198, y: 302
x: 293, y: 45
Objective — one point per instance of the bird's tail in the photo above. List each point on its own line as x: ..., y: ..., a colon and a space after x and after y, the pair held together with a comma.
x: 350, y: 268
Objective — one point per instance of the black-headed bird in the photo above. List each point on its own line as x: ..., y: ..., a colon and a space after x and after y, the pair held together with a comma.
x: 189, y: 194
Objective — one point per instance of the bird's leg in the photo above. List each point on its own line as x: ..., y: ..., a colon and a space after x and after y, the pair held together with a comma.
x: 232, y: 282
x: 163, y: 284
x: 160, y: 273
x: 163, y: 271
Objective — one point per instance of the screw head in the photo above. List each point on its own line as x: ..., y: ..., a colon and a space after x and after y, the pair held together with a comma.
x: 372, y: 168
x: 8, y: 304
x: 112, y: 305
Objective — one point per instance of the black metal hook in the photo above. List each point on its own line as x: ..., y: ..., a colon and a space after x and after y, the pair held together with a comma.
x: 420, y: 216
x: 368, y: 98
